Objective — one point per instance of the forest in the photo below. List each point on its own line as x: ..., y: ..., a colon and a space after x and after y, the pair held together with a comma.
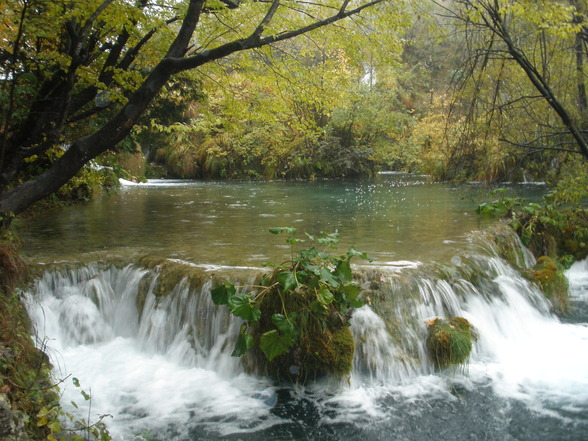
x: 459, y: 90
x: 464, y: 93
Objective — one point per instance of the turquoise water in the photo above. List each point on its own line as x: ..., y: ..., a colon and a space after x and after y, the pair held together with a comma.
x: 392, y: 217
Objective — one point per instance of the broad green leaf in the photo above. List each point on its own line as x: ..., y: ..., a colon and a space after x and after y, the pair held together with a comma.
x: 301, y: 276
x: 351, y: 291
x: 273, y: 344
x: 55, y: 426
x: 325, y: 296
x: 318, y: 307
x: 343, y: 271
x: 326, y: 277
x: 243, y: 344
x: 75, y: 382
x: 284, y: 324
x: 287, y: 279
x: 242, y: 306
x: 308, y: 254
x: 329, y: 238
x: 352, y: 252
x: 311, y: 267
x: 222, y: 293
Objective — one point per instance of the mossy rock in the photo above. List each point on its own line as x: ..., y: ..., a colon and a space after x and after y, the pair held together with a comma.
x: 24, y: 370
x: 552, y: 281
x: 449, y: 341
x: 328, y: 353
x: 133, y: 163
x: 168, y: 274
x: 109, y: 178
x: 324, y: 347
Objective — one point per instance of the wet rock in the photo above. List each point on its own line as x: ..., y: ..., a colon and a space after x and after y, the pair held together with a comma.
x: 12, y: 423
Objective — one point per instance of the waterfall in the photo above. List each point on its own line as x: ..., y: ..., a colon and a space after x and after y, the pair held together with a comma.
x: 161, y: 364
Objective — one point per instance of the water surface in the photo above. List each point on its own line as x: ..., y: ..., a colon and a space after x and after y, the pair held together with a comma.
x: 392, y: 217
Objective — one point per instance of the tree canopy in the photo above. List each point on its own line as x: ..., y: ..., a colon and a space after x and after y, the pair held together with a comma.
x: 521, y: 89
x: 460, y: 89
x: 78, y: 76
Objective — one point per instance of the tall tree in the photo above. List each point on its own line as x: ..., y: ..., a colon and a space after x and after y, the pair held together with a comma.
x: 546, y: 40
x: 87, y: 71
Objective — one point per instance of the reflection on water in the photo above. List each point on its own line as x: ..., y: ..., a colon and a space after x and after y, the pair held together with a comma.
x: 392, y: 217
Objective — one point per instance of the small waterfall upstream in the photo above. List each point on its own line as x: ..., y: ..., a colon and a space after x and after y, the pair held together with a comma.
x: 161, y: 365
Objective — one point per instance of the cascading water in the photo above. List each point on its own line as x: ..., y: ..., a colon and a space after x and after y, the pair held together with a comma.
x: 164, y: 370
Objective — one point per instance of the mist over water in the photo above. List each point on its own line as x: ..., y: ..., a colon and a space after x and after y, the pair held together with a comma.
x: 163, y: 368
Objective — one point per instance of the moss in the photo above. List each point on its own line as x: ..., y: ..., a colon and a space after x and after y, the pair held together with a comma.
x: 12, y: 268
x: 449, y: 341
x: 109, y: 178
x: 24, y: 370
x: 330, y: 353
x: 324, y: 346
x: 170, y: 274
x: 134, y: 163
x: 553, y: 282
x: 556, y: 233
x: 506, y: 244
x: 155, y: 171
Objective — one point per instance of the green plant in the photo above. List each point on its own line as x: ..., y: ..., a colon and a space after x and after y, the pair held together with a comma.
x: 298, y: 317
x: 449, y: 341
x: 551, y: 279
x: 501, y: 207
x: 80, y: 429
x: 547, y: 228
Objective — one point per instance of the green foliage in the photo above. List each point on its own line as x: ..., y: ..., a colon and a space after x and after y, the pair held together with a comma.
x: 25, y: 371
x: 494, y: 125
x: 550, y: 276
x: 449, y: 341
x: 53, y: 418
x: 553, y: 228
x: 298, y: 109
x: 502, y: 207
x: 303, y: 303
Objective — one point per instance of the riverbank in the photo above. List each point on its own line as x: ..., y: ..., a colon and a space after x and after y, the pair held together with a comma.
x: 25, y: 371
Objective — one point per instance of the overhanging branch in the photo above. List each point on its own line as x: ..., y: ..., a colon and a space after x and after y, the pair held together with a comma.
x: 254, y: 40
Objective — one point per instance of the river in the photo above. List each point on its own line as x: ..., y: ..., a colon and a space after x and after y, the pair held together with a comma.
x: 393, y: 217
x: 163, y: 370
